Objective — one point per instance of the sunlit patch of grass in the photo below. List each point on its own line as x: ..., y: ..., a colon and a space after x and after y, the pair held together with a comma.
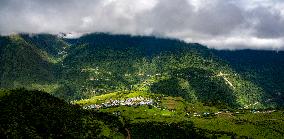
x: 114, y: 96
x: 137, y: 94
x: 97, y: 99
x: 199, y: 107
x: 173, y: 103
x: 261, y: 125
x: 166, y: 113
x: 45, y: 87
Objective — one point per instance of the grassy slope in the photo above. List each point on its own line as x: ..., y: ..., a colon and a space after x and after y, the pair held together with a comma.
x: 53, y: 117
x: 35, y: 114
x: 22, y: 63
x: 240, y: 123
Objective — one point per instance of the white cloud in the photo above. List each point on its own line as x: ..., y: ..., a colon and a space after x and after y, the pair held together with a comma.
x: 222, y: 24
x: 244, y: 43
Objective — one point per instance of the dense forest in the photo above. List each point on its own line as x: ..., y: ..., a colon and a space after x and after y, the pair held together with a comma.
x: 264, y: 68
x: 96, y: 64
x: 105, y: 86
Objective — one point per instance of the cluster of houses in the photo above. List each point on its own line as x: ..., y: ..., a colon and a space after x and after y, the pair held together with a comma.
x: 136, y: 101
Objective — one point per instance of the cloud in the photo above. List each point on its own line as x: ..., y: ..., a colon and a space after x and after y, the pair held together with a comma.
x: 221, y: 24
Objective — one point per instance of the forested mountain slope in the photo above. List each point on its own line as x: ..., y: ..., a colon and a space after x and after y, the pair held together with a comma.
x: 116, y: 86
x: 99, y: 63
x: 22, y: 63
x: 264, y: 68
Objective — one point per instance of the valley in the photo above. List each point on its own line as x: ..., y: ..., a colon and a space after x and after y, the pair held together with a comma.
x: 115, y: 86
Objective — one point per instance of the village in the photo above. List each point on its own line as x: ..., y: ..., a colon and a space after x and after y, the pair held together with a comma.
x: 140, y: 101
x: 135, y: 101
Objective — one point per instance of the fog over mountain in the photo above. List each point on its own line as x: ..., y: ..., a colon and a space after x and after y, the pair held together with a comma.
x: 221, y: 24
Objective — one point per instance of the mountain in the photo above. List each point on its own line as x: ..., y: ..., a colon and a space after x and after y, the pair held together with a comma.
x: 22, y: 63
x: 99, y: 63
x: 121, y: 86
x: 263, y: 68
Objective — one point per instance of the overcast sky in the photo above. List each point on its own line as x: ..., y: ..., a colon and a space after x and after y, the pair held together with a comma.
x: 222, y: 24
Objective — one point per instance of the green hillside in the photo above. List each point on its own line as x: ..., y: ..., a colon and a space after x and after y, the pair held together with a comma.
x: 97, y: 64
x: 264, y: 68
x: 22, y: 63
x: 116, y: 86
x: 35, y: 114
x: 53, y: 48
x: 103, y: 63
